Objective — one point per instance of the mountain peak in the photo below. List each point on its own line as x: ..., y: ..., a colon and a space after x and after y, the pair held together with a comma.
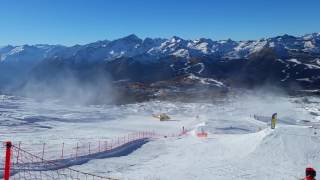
x: 131, y: 37
x: 176, y: 39
x: 284, y: 37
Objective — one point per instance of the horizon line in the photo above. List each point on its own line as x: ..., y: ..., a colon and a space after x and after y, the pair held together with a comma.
x: 134, y: 34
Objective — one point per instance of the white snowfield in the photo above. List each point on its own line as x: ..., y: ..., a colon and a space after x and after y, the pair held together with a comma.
x: 282, y: 153
x: 238, y: 145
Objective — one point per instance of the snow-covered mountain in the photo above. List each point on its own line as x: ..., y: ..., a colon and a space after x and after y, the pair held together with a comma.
x: 28, y: 53
x: 100, y: 51
x: 283, y: 59
x: 132, y: 45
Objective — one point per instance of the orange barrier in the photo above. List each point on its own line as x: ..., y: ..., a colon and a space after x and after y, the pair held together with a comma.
x: 202, y: 134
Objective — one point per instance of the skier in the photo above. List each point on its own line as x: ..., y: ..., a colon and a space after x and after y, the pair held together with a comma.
x: 273, y: 120
x: 310, y: 173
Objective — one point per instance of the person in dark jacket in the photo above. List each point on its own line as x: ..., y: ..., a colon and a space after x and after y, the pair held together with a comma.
x: 310, y: 173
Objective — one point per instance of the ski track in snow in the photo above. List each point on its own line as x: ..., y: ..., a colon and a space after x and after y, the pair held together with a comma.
x: 238, y: 146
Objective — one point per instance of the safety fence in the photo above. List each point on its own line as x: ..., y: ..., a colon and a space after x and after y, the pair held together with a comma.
x: 21, y: 163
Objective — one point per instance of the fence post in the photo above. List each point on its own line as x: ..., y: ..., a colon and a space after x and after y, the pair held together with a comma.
x: 99, y: 145
x: 43, y: 151
x: 8, y: 159
x: 62, y: 150
x: 89, y: 148
x: 18, y: 154
x: 77, y: 150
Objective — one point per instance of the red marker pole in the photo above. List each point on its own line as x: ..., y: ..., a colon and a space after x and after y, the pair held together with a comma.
x: 8, y: 159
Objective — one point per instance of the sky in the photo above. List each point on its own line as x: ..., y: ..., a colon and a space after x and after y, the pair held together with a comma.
x: 70, y: 22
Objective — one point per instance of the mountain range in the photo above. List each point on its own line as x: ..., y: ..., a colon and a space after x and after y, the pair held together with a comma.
x: 131, y: 46
x: 286, y: 61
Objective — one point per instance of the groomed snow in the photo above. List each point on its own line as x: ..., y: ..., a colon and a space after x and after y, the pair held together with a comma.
x: 238, y: 146
x: 282, y: 153
x: 294, y: 61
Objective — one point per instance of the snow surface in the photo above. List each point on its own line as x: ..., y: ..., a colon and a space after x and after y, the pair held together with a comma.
x: 311, y: 66
x: 305, y: 79
x: 238, y: 146
x: 294, y: 61
x: 207, y: 81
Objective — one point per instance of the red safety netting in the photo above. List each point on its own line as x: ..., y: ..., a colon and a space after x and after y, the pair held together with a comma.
x: 28, y: 165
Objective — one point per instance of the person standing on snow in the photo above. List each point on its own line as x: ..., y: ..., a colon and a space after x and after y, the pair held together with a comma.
x: 273, y: 120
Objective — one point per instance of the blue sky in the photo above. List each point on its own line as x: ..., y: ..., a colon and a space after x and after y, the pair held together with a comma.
x: 72, y: 22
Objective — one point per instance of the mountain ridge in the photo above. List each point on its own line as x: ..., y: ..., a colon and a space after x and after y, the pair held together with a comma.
x: 287, y: 61
x: 132, y: 45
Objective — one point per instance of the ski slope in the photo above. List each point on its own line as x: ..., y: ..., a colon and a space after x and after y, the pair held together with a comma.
x: 282, y: 153
x: 238, y: 146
